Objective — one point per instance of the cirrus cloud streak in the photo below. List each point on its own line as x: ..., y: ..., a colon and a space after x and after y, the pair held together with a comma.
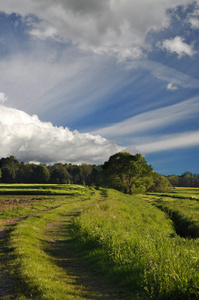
x: 174, y: 141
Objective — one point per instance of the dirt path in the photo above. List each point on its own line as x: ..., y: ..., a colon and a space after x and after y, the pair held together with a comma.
x: 60, y: 246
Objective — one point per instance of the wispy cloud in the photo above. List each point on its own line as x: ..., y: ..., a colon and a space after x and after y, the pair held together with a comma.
x: 29, y: 139
x: 151, y: 120
x: 165, y: 73
x: 169, y: 142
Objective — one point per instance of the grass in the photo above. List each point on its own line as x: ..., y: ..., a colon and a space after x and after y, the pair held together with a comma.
x: 182, y: 209
x: 38, y: 273
x: 135, y: 244
x: 41, y: 189
x: 129, y: 242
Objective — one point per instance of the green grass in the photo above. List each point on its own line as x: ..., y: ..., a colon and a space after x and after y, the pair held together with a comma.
x: 129, y: 241
x: 38, y: 275
x: 182, y: 208
x: 135, y: 244
x: 41, y: 189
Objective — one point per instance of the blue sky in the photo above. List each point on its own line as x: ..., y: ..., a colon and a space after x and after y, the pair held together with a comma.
x: 81, y: 80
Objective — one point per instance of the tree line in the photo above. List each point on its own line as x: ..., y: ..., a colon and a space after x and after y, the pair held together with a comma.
x: 13, y: 171
x: 187, y: 179
x: 123, y: 171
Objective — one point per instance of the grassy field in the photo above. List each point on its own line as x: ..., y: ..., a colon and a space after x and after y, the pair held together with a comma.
x: 75, y: 242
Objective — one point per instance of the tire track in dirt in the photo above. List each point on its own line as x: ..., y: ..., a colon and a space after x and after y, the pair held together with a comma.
x: 60, y: 246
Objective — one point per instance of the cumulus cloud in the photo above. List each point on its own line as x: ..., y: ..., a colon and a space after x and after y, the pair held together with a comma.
x: 172, y: 87
x: 114, y: 27
x: 194, y: 22
x: 193, y: 19
x: 44, y: 33
x: 177, y: 45
x: 30, y: 139
x: 3, y: 98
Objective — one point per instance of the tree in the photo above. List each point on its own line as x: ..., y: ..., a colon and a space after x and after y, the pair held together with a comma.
x: 186, y: 179
x: 126, y: 172
x: 59, y: 174
x: 25, y: 173
x: 77, y: 176
x: 173, y: 179
x: 160, y: 183
x: 40, y: 174
x: 86, y: 172
x: 9, y: 167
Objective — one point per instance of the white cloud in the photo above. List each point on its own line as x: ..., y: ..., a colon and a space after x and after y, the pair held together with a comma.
x: 114, y: 27
x: 165, y: 73
x: 44, y: 33
x: 29, y: 139
x: 177, y: 45
x: 193, y: 19
x: 194, y: 22
x: 3, y: 98
x: 151, y: 120
x: 174, y: 141
x: 172, y: 87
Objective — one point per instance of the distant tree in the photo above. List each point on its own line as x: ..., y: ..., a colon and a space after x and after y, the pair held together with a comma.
x: 195, y: 180
x: 160, y: 183
x: 40, y: 174
x: 8, y: 175
x: 77, y: 175
x: 59, y: 174
x: 126, y: 172
x: 25, y: 173
x: 9, y: 167
x: 186, y: 179
x: 86, y: 171
x: 173, y: 179
x: 96, y: 175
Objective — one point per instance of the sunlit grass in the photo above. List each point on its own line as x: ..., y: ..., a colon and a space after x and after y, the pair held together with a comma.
x: 37, y: 274
x: 129, y: 240
x: 135, y: 245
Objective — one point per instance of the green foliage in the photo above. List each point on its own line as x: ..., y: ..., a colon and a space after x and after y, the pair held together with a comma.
x: 59, y: 174
x: 15, y: 172
x: 187, y: 179
x: 41, y: 174
x: 160, y: 183
x: 126, y: 172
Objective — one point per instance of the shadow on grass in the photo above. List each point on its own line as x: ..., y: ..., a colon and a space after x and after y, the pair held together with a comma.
x: 66, y: 254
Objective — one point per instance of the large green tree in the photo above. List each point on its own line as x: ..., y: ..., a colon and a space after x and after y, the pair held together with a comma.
x: 127, y: 173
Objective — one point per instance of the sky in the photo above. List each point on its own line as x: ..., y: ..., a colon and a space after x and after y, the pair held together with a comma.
x: 82, y: 80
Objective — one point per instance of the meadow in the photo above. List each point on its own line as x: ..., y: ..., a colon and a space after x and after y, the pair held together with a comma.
x: 75, y: 242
